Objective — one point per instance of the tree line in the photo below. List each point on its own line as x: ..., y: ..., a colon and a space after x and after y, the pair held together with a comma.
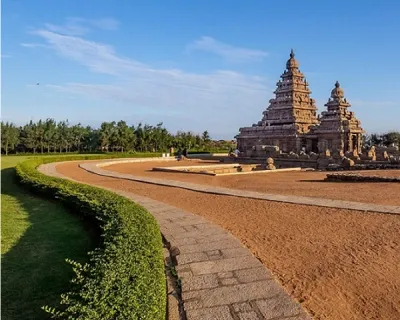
x: 383, y: 139
x: 46, y: 136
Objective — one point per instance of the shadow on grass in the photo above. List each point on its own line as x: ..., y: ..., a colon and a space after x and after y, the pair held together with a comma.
x: 34, y: 271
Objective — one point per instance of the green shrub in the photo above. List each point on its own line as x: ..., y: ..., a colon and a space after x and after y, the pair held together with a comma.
x: 125, y: 277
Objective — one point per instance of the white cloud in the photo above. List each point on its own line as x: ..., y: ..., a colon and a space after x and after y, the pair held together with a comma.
x: 226, y: 51
x: 79, y: 26
x: 226, y: 98
x: 72, y: 27
x: 33, y: 45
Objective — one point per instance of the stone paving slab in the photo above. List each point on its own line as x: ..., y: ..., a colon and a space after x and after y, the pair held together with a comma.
x: 220, y: 278
x: 95, y: 167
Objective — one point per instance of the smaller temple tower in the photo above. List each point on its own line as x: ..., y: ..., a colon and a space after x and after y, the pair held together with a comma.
x: 339, y: 129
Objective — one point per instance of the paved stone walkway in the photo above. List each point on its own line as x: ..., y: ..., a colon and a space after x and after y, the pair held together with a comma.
x: 221, y: 279
x: 95, y: 167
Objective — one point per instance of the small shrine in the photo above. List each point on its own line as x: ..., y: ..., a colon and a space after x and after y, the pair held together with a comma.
x: 339, y: 129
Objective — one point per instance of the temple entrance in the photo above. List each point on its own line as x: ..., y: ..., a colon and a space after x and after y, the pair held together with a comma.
x: 314, y: 145
x: 303, y: 145
x: 354, y: 143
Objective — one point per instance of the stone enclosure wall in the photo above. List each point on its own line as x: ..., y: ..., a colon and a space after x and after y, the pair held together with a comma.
x: 351, y: 177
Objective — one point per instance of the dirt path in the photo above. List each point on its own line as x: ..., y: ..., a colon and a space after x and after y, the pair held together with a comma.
x: 309, y: 184
x: 341, y: 264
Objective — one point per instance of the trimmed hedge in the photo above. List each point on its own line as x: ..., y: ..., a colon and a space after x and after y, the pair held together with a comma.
x: 94, y: 155
x: 124, y: 278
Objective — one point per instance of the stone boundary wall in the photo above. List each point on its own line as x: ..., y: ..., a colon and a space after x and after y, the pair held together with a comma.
x: 280, y: 162
x: 207, y: 154
x: 290, y: 163
x: 129, y: 160
x: 351, y: 177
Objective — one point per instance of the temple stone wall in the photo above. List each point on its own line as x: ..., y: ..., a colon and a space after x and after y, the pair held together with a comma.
x: 280, y: 163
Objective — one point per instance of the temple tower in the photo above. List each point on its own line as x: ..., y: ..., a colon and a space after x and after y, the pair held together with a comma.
x: 292, y: 104
x: 339, y: 129
x: 289, y: 116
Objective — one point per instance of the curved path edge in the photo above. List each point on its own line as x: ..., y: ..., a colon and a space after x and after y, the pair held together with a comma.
x: 96, y: 168
x: 220, y: 278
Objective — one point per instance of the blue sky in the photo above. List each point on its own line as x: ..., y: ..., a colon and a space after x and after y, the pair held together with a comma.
x: 195, y: 65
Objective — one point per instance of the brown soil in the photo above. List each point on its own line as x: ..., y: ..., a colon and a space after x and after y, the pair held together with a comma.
x: 310, y: 183
x: 340, y: 264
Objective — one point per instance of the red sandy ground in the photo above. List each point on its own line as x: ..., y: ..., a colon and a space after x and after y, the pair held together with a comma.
x: 340, y: 264
x: 310, y: 183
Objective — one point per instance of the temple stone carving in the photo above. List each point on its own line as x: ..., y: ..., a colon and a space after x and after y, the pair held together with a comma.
x: 339, y: 129
x: 291, y: 122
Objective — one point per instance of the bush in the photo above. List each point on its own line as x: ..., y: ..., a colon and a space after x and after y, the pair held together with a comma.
x: 124, y: 278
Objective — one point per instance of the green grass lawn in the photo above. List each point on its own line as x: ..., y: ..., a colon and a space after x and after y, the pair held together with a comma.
x: 37, y: 236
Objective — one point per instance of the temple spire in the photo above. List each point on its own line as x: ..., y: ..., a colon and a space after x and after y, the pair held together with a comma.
x: 337, y: 93
x: 292, y: 62
x: 292, y: 104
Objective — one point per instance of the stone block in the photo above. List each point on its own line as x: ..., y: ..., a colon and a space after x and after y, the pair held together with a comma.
x: 229, y: 281
x: 213, y: 238
x: 213, y: 253
x: 234, y: 252
x: 242, y: 307
x: 199, y: 234
x: 191, y: 304
x: 254, y: 274
x: 235, y: 294
x: 191, y: 257
x: 224, y: 275
x: 183, y: 241
x: 188, y: 220
x: 216, y: 313
x: 224, y: 265
x: 251, y: 315
x: 191, y: 283
x: 208, y: 246
x: 278, y: 306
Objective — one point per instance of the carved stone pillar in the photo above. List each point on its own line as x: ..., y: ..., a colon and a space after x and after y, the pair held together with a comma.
x: 342, y: 143
x: 349, y: 144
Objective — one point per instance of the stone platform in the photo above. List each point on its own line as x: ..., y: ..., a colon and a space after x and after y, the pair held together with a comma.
x: 222, y: 169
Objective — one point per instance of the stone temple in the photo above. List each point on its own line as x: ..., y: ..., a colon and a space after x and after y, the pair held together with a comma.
x: 291, y: 122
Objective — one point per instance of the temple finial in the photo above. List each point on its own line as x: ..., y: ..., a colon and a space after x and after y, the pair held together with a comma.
x: 337, y: 84
x: 291, y: 53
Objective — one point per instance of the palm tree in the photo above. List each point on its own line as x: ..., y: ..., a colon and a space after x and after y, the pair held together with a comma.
x: 50, y: 127
x: 77, y: 135
x: 106, y: 132
x: 125, y: 136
